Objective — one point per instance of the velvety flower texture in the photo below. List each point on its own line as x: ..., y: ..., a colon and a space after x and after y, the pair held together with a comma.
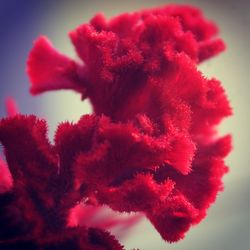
x: 150, y: 145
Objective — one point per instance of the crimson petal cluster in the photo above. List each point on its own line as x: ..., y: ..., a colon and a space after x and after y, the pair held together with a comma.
x: 150, y: 145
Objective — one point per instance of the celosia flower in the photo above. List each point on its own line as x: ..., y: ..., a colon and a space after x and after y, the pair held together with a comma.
x: 151, y: 144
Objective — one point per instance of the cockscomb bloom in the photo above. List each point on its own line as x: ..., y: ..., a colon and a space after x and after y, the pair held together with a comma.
x: 149, y: 147
x: 33, y: 213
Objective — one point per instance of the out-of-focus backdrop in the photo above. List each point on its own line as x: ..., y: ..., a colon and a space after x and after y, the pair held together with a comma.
x: 227, y: 225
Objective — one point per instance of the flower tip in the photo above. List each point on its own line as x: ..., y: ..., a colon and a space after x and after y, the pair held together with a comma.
x: 11, y: 107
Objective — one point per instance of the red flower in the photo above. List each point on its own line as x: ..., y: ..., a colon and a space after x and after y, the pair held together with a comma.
x: 150, y: 145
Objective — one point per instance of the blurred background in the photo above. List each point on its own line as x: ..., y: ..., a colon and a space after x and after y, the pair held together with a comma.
x: 227, y: 225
